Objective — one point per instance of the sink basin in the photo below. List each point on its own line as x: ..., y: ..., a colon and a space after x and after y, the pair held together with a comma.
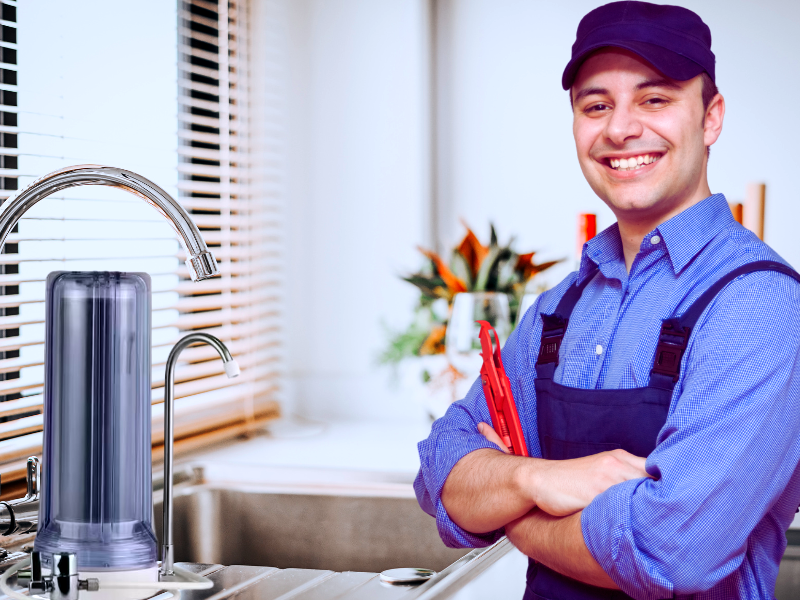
x: 304, y: 518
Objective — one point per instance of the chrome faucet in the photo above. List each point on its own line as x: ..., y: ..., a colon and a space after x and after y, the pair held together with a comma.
x: 200, y: 261
x: 231, y: 370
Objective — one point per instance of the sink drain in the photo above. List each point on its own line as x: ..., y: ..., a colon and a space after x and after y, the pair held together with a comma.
x: 406, y: 576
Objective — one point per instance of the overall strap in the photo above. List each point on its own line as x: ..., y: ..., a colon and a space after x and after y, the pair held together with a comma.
x: 675, y: 331
x: 554, y: 326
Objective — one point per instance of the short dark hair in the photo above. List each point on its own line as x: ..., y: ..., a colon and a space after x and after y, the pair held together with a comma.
x: 709, y: 91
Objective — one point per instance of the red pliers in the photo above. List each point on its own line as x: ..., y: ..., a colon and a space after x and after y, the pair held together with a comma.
x: 497, y: 390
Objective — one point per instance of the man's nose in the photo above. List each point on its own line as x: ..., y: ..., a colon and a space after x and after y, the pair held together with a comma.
x: 624, y: 124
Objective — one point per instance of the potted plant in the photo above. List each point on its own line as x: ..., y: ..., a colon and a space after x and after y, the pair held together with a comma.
x: 472, y: 268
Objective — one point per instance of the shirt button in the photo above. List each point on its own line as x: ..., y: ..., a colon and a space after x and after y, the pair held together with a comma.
x: 654, y: 240
x: 599, y: 349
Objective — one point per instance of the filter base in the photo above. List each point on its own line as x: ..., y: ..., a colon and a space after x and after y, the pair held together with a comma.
x: 144, y: 575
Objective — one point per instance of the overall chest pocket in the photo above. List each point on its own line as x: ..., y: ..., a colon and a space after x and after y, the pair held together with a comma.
x: 575, y: 422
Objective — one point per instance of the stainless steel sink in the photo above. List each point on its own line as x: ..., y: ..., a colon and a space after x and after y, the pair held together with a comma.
x: 307, y: 519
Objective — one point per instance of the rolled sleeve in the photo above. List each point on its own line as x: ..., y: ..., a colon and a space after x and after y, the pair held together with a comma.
x: 456, y: 434
x: 452, y: 437
x: 726, y: 457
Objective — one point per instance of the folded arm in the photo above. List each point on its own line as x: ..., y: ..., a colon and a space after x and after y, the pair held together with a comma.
x: 557, y: 542
x: 488, y: 489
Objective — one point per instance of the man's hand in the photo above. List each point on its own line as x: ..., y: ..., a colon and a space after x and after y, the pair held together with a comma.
x: 563, y: 487
x: 490, y: 434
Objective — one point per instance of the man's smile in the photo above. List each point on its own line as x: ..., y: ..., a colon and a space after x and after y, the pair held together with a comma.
x: 631, y: 165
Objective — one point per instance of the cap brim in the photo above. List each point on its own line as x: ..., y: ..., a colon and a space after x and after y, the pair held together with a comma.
x: 671, y: 64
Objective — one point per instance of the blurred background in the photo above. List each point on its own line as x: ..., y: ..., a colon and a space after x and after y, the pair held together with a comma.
x: 406, y: 116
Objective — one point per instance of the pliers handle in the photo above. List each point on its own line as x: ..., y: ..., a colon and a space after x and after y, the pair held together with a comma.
x: 499, y: 398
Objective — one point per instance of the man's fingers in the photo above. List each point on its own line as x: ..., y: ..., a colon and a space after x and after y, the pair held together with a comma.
x: 637, y: 462
x: 491, y: 435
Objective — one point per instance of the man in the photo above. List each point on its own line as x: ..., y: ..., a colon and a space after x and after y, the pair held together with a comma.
x: 657, y: 386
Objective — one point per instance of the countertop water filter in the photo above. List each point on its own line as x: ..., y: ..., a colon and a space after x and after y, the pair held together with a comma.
x: 96, y: 486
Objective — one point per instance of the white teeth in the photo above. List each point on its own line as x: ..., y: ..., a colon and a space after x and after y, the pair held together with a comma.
x: 634, y: 162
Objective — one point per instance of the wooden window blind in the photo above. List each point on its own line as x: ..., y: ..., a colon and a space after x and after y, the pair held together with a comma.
x: 217, y: 166
x: 206, y: 161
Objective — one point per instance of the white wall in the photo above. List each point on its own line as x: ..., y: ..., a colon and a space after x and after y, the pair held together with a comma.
x: 358, y: 180
x: 357, y: 191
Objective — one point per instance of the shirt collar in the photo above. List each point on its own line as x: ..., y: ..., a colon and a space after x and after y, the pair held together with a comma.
x: 687, y: 233
x: 684, y: 235
x: 605, y: 247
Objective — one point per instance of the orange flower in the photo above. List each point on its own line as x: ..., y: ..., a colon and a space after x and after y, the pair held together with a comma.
x: 527, y: 268
x: 454, y: 284
x: 525, y: 265
x: 472, y: 250
x: 434, y: 343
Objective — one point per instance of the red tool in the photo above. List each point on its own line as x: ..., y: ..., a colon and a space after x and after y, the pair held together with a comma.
x: 497, y: 390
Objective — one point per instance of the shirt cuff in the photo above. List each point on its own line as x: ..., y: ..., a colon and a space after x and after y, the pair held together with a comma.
x: 606, y: 528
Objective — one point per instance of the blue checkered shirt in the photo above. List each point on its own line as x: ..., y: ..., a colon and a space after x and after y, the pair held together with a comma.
x: 712, y: 525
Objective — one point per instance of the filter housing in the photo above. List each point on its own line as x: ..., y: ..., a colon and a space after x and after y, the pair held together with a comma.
x: 96, y: 467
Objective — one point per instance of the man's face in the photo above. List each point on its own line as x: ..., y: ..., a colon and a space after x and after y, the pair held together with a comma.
x: 626, y: 112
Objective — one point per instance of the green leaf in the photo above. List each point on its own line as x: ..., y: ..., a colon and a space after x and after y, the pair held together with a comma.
x: 460, y: 268
x: 404, y: 344
x: 493, y: 272
x: 507, y: 275
x: 486, y: 267
x: 427, y: 285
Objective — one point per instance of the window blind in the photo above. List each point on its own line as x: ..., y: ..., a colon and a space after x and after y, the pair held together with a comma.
x: 204, y: 158
x: 217, y: 184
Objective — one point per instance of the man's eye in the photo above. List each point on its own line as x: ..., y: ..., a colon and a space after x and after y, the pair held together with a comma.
x: 655, y: 101
x: 597, y: 108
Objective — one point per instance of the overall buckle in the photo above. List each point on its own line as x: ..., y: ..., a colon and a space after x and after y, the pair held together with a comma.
x: 672, y: 342
x: 553, y: 329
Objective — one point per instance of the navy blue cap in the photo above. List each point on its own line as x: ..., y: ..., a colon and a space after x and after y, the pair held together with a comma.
x: 671, y: 38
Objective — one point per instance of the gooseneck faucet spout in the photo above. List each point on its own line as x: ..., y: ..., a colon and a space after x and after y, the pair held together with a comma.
x: 200, y: 261
x: 231, y: 370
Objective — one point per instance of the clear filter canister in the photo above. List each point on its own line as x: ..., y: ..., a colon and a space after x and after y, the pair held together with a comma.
x: 96, y: 468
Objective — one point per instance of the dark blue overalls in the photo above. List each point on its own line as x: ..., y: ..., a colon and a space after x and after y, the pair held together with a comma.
x: 574, y: 422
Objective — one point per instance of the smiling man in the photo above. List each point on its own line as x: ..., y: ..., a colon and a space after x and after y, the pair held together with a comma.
x: 658, y: 386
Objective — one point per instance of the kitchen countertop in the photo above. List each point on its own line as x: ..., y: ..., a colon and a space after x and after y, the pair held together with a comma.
x: 269, y: 583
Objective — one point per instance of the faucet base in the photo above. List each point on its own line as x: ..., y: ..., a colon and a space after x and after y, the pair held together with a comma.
x: 167, y: 560
x: 105, y: 578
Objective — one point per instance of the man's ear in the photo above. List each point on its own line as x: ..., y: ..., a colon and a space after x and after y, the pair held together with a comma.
x: 712, y: 126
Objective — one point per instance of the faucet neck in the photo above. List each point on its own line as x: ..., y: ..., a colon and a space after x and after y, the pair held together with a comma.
x: 200, y: 261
